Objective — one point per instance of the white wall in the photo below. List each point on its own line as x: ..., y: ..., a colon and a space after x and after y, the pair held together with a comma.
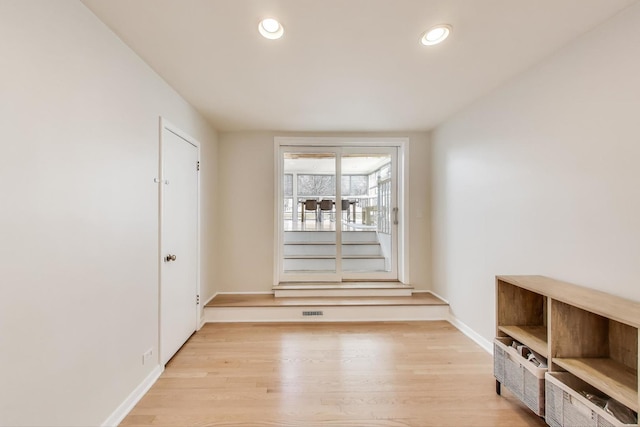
x: 246, y: 191
x: 542, y: 177
x: 78, y: 213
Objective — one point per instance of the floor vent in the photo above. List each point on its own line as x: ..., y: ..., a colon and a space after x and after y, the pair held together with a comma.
x: 312, y: 313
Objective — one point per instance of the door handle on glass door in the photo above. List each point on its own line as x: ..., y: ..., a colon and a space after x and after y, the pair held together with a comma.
x: 395, y: 216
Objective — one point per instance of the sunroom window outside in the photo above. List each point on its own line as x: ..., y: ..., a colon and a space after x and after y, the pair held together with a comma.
x: 316, y: 186
x: 288, y: 196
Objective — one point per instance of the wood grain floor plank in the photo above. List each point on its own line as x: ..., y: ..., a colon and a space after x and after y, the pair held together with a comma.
x: 394, y: 374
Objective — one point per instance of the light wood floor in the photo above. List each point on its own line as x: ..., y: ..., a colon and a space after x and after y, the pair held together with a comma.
x: 338, y: 374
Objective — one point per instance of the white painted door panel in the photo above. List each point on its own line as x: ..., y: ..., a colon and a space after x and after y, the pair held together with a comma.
x: 179, y: 237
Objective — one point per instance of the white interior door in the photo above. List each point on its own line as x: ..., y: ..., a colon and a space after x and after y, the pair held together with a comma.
x: 179, y: 243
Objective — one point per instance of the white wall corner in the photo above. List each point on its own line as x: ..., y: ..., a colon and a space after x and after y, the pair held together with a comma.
x: 476, y: 337
x: 127, y: 405
x: 202, y: 315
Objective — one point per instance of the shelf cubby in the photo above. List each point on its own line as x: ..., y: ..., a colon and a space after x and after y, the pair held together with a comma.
x: 522, y: 315
x: 598, y: 350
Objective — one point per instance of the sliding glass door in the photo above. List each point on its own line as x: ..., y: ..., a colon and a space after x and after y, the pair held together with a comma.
x: 338, y: 211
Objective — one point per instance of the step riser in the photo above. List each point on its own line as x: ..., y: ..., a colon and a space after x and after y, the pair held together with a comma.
x: 309, y: 250
x: 329, y: 236
x: 297, y: 293
x: 359, y: 236
x: 309, y: 236
x: 365, y: 264
x: 309, y: 264
x: 359, y: 250
x: 330, y: 314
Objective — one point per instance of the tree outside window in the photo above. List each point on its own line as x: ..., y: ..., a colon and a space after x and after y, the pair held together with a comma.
x: 316, y: 185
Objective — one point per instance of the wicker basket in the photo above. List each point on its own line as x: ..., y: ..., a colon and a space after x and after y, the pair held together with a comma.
x: 521, y: 377
x: 566, y: 407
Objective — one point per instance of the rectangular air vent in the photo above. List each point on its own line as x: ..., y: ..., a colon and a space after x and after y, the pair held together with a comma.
x: 312, y: 313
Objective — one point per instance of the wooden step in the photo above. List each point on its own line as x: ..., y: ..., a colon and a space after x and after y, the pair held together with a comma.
x: 268, y: 300
x: 266, y: 307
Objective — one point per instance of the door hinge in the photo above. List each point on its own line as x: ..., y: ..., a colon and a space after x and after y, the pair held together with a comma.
x: 197, y: 299
x: 198, y: 166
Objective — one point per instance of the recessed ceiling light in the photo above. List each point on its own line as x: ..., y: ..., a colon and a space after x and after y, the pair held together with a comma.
x: 435, y: 35
x: 270, y: 29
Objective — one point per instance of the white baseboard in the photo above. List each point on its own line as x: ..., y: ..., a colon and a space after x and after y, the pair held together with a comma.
x: 125, y: 407
x: 203, y: 321
x: 477, y: 338
x: 202, y: 318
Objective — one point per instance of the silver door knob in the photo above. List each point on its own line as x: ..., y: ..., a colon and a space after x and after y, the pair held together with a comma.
x: 169, y: 258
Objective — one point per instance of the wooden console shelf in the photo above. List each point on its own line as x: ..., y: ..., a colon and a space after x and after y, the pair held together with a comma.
x: 584, y: 334
x: 534, y: 336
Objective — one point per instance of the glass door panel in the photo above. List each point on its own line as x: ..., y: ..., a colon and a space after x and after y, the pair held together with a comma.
x: 338, y: 218
x: 309, y: 189
x: 368, y: 244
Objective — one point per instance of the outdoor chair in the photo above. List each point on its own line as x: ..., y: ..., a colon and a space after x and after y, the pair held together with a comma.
x: 311, y: 205
x: 345, y: 207
x: 325, y: 205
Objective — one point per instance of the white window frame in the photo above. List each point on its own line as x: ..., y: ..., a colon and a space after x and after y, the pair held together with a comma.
x: 402, y: 145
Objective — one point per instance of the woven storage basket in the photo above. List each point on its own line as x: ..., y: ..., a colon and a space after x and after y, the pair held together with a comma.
x: 520, y: 376
x: 566, y: 407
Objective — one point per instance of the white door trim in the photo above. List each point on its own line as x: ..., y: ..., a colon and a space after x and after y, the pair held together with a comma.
x: 164, y: 124
x: 402, y: 143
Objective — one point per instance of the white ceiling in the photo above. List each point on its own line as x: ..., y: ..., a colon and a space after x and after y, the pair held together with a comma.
x: 343, y: 65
